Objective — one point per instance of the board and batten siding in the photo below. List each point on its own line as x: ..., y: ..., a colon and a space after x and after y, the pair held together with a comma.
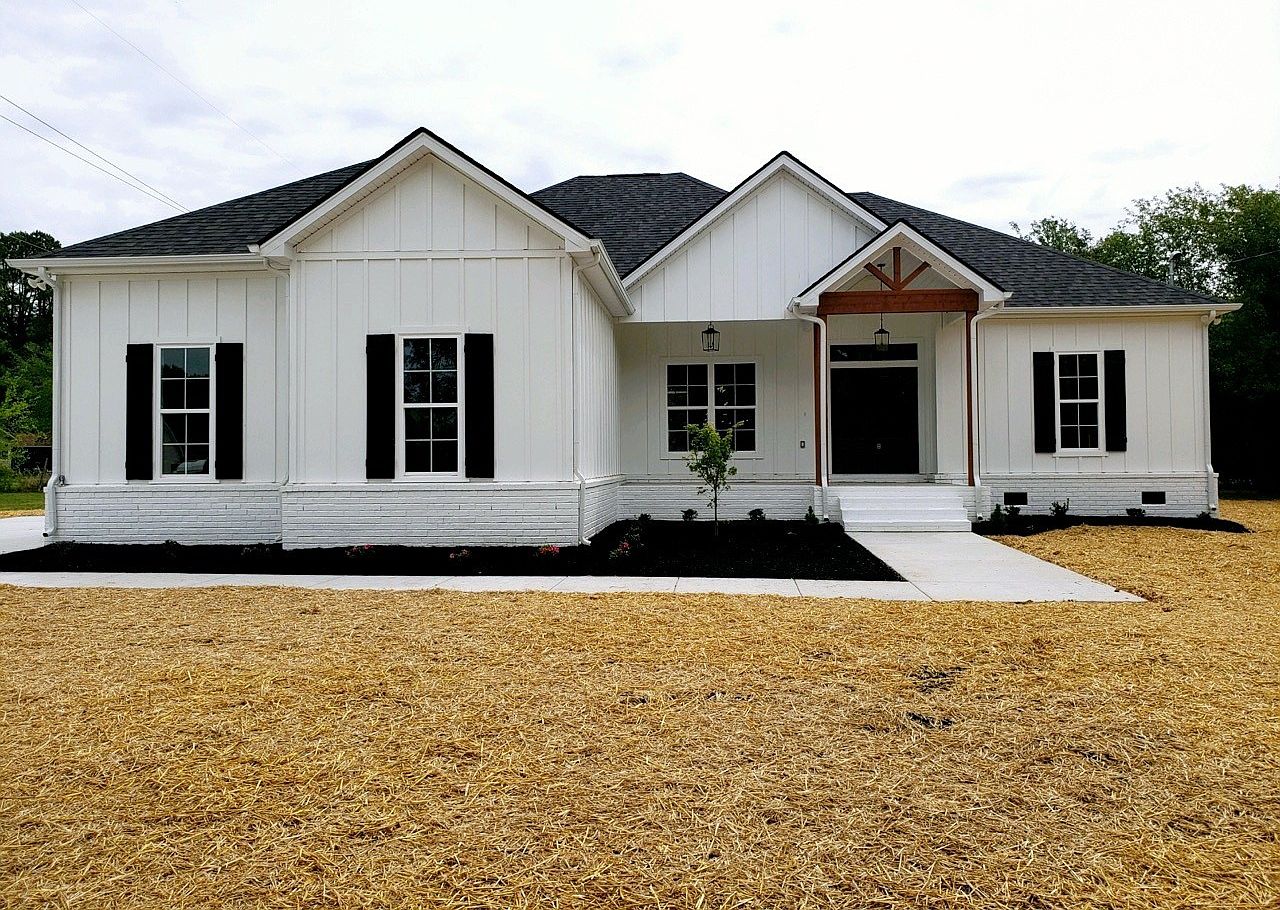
x: 783, y: 354
x: 751, y: 261
x: 1164, y: 367
x: 104, y: 315
x: 599, y: 393
x: 434, y: 252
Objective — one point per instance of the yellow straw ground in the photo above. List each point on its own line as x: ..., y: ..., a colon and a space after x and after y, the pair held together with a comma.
x: 279, y: 747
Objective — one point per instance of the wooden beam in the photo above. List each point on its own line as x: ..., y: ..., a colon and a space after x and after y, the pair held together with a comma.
x: 906, y: 283
x: 897, y: 268
x: 875, y: 270
x: 942, y: 300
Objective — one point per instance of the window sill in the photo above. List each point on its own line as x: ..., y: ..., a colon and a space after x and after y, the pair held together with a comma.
x: 1079, y: 453
x: 744, y: 456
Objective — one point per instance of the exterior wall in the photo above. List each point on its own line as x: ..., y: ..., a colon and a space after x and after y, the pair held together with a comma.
x: 601, y: 505
x: 183, y: 512
x: 1164, y: 372
x: 783, y: 353
x: 666, y: 499
x: 433, y: 252
x: 952, y: 458
x: 429, y: 514
x: 101, y: 316
x: 752, y: 260
x: 599, y: 398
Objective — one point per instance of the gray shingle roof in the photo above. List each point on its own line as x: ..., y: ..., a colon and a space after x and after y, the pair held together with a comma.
x: 228, y: 227
x: 1037, y: 275
x: 634, y: 214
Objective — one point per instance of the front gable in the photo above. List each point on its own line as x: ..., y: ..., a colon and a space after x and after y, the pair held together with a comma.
x: 748, y: 256
x: 429, y: 206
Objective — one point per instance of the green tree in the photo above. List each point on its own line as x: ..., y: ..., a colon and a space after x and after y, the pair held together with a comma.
x: 26, y: 342
x: 709, y: 459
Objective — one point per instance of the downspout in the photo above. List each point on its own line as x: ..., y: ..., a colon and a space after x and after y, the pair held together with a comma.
x: 824, y: 379
x: 1211, y: 480
x: 573, y: 367
x: 976, y: 448
x: 55, y: 450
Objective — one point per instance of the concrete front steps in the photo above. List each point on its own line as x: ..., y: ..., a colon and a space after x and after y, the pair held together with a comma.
x: 917, y: 507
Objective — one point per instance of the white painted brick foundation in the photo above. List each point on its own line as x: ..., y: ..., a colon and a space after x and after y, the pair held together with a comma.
x: 667, y: 499
x: 1104, y: 494
x: 600, y: 508
x: 153, y: 513
x: 429, y: 514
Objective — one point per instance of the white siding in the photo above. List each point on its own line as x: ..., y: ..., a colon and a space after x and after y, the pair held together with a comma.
x: 783, y: 353
x: 435, y: 252
x: 599, y: 403
x: 103, y: 316
x: 1164, y: 391
x: 750, y: 262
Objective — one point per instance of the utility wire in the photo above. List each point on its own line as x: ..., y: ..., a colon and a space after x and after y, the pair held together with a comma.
x: 1254, y: 256
x: 28, y: 244
x: 178, y: 80
x: 91, y: 164
x: 100, y: 157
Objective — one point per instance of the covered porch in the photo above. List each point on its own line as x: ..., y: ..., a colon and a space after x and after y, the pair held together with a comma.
x: 895, y: 372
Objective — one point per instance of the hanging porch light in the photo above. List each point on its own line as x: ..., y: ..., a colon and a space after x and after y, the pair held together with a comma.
x: 710, y: 338
x: 881, y: 336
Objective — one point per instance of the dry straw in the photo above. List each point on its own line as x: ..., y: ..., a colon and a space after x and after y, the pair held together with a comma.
x: 276, y: 747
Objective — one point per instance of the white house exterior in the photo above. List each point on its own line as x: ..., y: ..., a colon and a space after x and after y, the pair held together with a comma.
x: 411, y: 350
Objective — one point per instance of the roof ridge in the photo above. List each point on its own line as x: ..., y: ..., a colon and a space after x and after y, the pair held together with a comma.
x: 1044, y: 249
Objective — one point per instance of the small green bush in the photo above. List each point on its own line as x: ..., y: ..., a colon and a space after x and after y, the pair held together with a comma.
x: 810, y: 516
x: 756, y: 514
x: 689, y: 514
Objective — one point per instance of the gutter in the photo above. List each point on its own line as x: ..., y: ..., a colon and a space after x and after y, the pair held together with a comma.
x: 973, y: 391
x: 1209, y: 319
x: 824, y: 379
x: 43, y: 279
x: 574, y: 297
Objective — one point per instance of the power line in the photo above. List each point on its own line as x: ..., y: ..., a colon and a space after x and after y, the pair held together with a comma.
x: 248, y: 132
x: 91, y: 164
x: 100, y: 157
x: 1254, y: 256
x: 28, y: 244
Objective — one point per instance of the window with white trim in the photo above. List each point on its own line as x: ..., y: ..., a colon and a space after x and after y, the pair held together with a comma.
x: 186, y: 409
x: 1079, y: 424
x: 725, y: 392
x: 430, y: 404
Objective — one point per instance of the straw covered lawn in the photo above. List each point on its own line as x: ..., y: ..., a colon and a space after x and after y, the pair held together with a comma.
x: 282, y: 748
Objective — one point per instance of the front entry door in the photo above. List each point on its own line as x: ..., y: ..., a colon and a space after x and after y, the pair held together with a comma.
x: 874, y: 421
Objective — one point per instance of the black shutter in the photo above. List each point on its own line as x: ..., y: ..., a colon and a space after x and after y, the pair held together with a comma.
x: 478, y: 401
x: 1044, y: 402
x: 228, y: 411
x: 1115, y: 402
x: 139, y: 414
x: 380, y: 407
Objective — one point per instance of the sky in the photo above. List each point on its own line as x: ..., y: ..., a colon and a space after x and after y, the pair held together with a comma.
x: 991, y: 112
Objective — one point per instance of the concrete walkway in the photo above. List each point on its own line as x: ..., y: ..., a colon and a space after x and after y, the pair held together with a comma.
x: 936, y: 566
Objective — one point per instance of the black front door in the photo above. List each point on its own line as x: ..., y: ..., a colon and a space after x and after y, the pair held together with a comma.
x: 874, y: 421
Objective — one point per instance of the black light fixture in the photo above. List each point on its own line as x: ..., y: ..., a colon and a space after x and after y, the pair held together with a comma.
x: 881, y: 336
x: 710, y: 338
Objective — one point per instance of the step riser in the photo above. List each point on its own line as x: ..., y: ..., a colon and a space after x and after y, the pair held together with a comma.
x: 903, y: 509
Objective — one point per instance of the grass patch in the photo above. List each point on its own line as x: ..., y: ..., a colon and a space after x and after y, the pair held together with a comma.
x: 751, y: 549
x: 281, y: 747
x: 13, y: 504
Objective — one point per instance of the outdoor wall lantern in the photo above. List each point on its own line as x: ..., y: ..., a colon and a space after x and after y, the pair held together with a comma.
x: 881, y: 336
x: 710, y: 338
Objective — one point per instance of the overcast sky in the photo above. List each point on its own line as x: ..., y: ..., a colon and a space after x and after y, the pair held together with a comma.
x: 993, y: 112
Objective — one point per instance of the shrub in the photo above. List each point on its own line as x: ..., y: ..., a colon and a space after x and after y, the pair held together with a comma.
x: 548, y: 551
x: 710, y: 454
x: 756, y: 514
x: 644, y: 517
x: 810, y: 517
x: 1059, y: 510
x: 1135, y: 512
x: 689, y: 514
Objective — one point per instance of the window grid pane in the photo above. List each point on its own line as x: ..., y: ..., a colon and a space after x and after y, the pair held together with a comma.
x: 185, y: 441
x: 731, y: 397
x: 430, y: 405
x: 1078, y: 401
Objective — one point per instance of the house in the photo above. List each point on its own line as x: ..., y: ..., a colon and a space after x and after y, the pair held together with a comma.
x: 413, y: 350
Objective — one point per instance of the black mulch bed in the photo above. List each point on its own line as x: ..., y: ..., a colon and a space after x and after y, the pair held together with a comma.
x: 743, y: 549
x: 1026, y: 525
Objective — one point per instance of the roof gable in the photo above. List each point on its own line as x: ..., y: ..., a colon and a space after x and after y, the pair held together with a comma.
x: 783, y: 162
x: 402, y: 156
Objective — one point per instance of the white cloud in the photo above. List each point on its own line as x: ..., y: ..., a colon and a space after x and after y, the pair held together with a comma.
x: 994, y: 112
